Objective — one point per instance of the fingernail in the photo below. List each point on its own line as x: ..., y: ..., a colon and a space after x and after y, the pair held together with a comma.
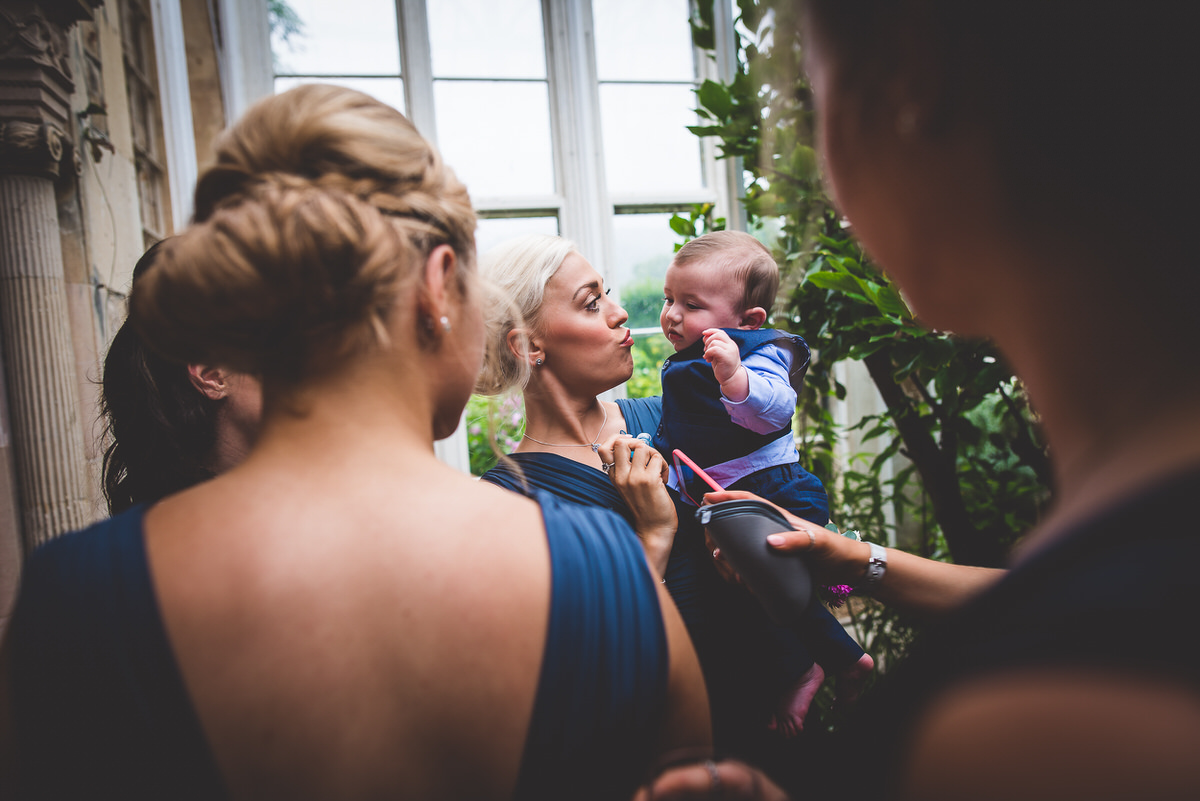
x: 775, y: 539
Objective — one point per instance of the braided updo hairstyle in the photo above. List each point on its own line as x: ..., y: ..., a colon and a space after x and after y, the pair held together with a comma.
x: 313, y: 222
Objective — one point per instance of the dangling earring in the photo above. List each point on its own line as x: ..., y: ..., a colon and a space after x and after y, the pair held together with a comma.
x: 445, y: 321
x: 908, y: 121
x: 538, y: 363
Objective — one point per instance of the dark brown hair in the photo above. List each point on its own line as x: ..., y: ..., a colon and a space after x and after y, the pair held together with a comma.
x: 160, y: 428
x: 1085, y: 103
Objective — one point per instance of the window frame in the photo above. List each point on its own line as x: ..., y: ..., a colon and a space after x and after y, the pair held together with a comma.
x: 581, y: 201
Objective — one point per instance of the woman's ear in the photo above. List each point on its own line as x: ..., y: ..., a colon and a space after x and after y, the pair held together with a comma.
x: 524, y: 347
x: 211, y: 382
x: 440, y: 265
x: 753, y: 319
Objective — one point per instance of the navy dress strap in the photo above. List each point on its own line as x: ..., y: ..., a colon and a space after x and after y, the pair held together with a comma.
x: 526, y: 473
x: 642, y: 415
x: 601, y: 697
x: 99, y: 706
x: 687, y: 566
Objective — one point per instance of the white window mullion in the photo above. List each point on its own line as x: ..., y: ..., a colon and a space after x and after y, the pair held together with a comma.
x: 416, y: 70
x: 416, y: 66
x: 586, y: 216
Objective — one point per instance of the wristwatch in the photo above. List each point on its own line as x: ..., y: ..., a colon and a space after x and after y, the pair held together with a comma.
x: 876, y: 566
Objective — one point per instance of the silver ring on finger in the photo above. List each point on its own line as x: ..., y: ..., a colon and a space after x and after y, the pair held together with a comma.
x: 714, y: 779
x: 606, y: 466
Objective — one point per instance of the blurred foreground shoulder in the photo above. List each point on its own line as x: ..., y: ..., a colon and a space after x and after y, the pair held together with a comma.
x: 1050, y: 734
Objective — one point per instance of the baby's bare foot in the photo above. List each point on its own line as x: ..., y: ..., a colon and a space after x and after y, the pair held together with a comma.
x: 788, y: 719
x: 850, y: 682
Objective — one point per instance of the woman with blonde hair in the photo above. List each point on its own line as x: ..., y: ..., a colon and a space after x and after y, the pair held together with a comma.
x: 560, y: 341
x: 341, y: 615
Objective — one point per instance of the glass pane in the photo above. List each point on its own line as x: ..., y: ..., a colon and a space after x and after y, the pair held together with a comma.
x: 496, y: 136
x: 486, y: 39
x: 644, y: 246
x: 647, y: 146
x: 388, y: 90
x: 492, y: 232
x: 349, y: 37
x: 640, y: 41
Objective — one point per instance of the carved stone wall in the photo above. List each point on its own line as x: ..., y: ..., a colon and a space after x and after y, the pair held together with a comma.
x: 43, y: 438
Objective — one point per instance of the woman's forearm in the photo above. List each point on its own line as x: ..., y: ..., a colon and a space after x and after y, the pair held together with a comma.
x: 657, y: 542
x: 926, y: 586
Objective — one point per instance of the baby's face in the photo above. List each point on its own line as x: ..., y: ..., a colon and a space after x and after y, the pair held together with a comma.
x: 697, y: 297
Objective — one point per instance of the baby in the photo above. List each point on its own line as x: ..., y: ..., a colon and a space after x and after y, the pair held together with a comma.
x: 729, y: 394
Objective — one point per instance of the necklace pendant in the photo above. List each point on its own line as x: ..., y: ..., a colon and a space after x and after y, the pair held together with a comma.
x: 595, y: 446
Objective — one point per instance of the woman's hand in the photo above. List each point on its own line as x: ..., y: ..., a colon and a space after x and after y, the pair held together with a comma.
x: 832, y: 558
x: 918, y: 585
x: 639, y: 473
x: 728, y: 779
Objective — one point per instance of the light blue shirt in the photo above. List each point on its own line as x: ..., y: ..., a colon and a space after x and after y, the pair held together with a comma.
x: 768, y: 407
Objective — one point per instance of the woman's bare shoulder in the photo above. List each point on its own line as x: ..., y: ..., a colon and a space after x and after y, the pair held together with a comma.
x: 1059, y: 733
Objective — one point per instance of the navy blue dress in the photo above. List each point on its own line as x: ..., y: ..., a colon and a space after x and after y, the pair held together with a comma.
x: 748, y: 662
x: 101, y: 711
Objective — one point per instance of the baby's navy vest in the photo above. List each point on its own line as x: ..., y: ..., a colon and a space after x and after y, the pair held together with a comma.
x: 695, y: 421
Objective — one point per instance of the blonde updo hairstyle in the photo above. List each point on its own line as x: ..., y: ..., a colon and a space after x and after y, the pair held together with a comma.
x: 315, y: 220
x: 516, y: 272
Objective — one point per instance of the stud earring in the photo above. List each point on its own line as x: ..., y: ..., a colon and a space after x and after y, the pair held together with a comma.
x: 445, y: 321
x: 538, y: 363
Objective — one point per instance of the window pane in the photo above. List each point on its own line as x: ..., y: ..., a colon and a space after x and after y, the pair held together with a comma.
x: 388, y: 90
x: 640, y: 41
x: 496, y: 136
x: 486, y: 39
x: 647, y: 146
x: 349, y: 37
x: 644, y: 246
x: 493, y: 231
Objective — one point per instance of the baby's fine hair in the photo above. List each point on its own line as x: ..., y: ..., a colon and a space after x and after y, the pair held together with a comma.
x: 743, y: 258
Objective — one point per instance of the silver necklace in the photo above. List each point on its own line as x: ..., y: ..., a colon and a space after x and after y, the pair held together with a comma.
x: 595, y: 446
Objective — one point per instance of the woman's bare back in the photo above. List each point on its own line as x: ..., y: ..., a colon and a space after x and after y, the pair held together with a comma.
x: 348, y: 641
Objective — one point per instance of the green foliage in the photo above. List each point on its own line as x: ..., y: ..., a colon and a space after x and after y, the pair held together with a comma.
x: 699, y: 221
x: 284, y: 21
x: 976, y: 474
x: 494, y: 427
x: 285, y: 24
x: 649, y: 353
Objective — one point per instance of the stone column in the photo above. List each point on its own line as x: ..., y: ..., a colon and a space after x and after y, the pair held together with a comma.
x: 35, y: 90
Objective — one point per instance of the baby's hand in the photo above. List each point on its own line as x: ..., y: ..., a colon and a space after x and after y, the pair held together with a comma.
x: 721, y: 353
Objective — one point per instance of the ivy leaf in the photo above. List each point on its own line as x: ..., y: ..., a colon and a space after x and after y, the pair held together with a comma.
x: 889, y: 302
x: 716, y: 98
x: 681, y: 226
x: 838, y: 282
x: 707, y: 130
